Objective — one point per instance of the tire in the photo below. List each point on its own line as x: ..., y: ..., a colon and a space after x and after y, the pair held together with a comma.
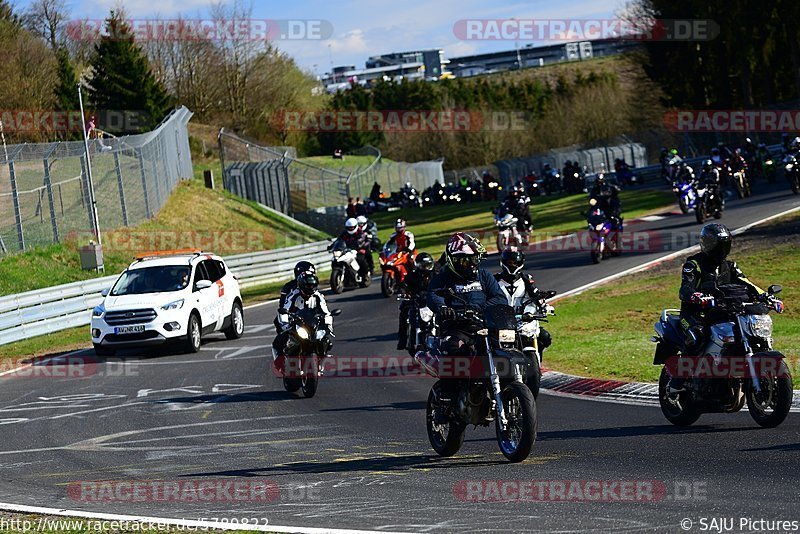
x: 100, y: 350
x: 795, y: 186
x: 519, y: 405
x: 236, y: 328
x: 366, y: 281
x: 596, y: 257
x: 447, y: 438
x: 779, y: 399
x: 194, y: 334
x: 387, y: 284
x: 337, y: 281
x: 678, y: 412
x: 310, y: 379
x: 534, y: 377
x: 682, y: 205
x: 700, y: 215
x: 291, y: 384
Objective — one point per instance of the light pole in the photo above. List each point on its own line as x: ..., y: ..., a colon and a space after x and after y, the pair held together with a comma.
x: 89, y: 180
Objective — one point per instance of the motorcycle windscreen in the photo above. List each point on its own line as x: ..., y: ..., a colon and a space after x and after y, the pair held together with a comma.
x: 500, y: 317
x: 308, y: 316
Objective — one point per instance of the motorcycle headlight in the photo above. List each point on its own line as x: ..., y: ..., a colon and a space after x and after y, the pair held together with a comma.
x: 302, y: 333
x: 789, y: 166
x: 675, y: 189
x: 174, y: 305
x: 599, y: 227
x: 98, y: 311
x: 337, y: 253
x: 507, y: 336
x: 768, y: 162
x: 760, y: 326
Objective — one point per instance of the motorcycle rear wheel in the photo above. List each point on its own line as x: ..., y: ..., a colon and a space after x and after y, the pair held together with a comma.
x: 776, y: 395
x: 446, y: 438
x: 676, y: 407
x: 517, y: 440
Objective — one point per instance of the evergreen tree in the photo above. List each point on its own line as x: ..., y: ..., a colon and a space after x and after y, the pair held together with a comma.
x: 66, y: 91
x: 121, y: 75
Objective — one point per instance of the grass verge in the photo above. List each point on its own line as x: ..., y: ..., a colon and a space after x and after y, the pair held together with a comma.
x: 604, y: 333
x: 564, y: 213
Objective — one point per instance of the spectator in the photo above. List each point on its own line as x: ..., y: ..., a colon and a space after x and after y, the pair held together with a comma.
x: 351, y: 209
x: 361, y: 209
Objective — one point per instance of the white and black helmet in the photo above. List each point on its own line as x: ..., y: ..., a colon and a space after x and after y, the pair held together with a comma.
x: 351, y: 225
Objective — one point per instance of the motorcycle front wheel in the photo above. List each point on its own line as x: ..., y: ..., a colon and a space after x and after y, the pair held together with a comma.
x: 700, y: 213
x: 445, y: 435
x: 387, y: 284
x: 337, y: 281
x: 770, y: 407
x: 291, y: 384
x: 517, y: 439
x: 683, y: 206
x: 310, y: 379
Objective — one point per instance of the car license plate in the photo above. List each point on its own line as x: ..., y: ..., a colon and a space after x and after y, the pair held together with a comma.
x: 135, y: 329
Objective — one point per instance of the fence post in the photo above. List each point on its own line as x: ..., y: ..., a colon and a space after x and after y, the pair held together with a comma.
x: 121, y: 188
x: 147, y: 211
x: 15, y: 199
x: 49, y: 186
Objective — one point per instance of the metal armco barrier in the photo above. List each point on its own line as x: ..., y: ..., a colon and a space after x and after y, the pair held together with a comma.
x: 53, y: 309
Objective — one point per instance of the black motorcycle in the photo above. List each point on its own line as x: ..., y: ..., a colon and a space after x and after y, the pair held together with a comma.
x: 492, y: 392
x: 710, y: 202
x: 306, y: 350
x: 421, y: 326
x: 735, y: 364
x: 792, y: 171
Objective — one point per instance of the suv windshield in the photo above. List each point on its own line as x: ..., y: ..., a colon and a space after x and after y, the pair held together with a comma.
x: 152, y: 280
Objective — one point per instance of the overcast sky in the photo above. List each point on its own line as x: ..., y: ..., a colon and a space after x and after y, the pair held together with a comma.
x: 362, y: 28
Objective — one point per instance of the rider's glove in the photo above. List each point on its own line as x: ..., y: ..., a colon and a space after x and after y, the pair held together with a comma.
x: 777, y: 305
x: 447, y: 314
x: 702, y: 300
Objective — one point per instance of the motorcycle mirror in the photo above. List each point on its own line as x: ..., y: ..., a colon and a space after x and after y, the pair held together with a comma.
x: 337, y: 312
x: 774, y: 289
x: 550, y: 294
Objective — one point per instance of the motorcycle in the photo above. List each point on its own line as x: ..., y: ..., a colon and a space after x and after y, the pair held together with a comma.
x: 766, y: 166
x: 528, y: 328
x: 626, y: 176
x: 394, y: 266
x: 744, y: 328
x: 345, y: 268
x: 306, y: 350
x: 741, y: 181
x: 687, y: 194
x: 421, y: 324
x: 496, y: 395
x: 553, y: 183
x: 507, y: 233
x: 790, y: 166
x: 710, y: 202
x: 600, y: 229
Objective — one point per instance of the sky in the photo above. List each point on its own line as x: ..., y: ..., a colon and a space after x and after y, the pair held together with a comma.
x: 362, y: 28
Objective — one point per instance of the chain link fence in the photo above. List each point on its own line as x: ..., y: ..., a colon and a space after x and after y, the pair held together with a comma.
x: 44, y: 189
x: 314, y: 193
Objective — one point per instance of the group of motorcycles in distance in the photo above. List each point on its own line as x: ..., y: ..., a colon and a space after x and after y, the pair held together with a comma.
x: 700, y: 189
x: 465, y: 190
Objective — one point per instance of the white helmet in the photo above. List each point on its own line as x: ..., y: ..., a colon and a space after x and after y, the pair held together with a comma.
x: 351, y: 225
x: 362, y: 221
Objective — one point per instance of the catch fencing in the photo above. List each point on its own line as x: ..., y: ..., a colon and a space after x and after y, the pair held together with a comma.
x: 53, y: 309
x: 314, y: 190
x: 44, y: 187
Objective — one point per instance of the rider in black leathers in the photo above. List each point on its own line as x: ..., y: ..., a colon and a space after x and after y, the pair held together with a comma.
x: 607, y: 197
x: 414, y: 286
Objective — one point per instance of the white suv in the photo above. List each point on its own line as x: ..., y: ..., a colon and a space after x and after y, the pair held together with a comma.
x: 176, y: 297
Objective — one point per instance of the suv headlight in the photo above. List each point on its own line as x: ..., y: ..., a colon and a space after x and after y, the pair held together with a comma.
x: 98, y: 311
x: 175, y: 305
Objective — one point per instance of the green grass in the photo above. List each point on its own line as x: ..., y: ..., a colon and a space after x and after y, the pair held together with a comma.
x: 564, y: 213
x: 193, y: 217
x: 604, y: 333
x: 348, y: 163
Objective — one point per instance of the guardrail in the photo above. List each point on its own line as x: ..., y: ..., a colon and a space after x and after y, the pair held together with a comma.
x: 53, y: 309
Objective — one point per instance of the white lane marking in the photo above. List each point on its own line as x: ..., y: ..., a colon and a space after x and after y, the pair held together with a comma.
x: 259, y: 304
x: 62, y: 512
x: 255, y: 329
x: 666, y: 257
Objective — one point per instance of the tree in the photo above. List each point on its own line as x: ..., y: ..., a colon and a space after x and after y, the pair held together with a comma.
x: 7, y: 16
x: 66, y: 90
x: 46, y: 19
x: 121, y: 76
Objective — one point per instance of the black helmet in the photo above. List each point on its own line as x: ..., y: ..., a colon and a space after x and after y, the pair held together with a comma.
x: 512, y: 261
x: 707, y: 164
x: 307, y: 283
x: 424, y: 262
x: 715, y: 241
x: 304, y: 267
x: 715, y: 151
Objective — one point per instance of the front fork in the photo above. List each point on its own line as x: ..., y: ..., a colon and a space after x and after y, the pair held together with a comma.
x: 498, y: 393
x: 748, y: 353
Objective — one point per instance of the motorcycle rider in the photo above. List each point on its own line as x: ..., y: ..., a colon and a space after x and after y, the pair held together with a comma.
x: 299, y: 268
x: 709, y: 265
x: 403, y: 238
x: 461, y: 274
x: 304, y: 295
x: 414, y: 286
x: 356, y: 240
x: 519, y: 287
x: 370, y: 230
x: 606, y: 196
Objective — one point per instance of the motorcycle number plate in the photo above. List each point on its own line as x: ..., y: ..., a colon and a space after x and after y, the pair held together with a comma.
x: 507, y: 336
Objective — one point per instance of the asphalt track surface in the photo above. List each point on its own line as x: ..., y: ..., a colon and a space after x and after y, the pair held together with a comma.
x: 357, y: 455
